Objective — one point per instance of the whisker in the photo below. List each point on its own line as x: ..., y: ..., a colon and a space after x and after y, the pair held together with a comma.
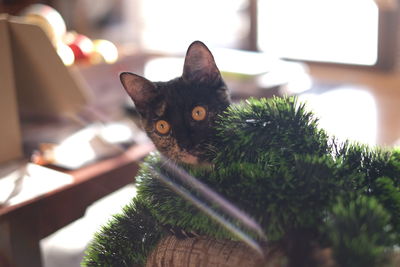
x: 213, y: 197
x: 207, y: 210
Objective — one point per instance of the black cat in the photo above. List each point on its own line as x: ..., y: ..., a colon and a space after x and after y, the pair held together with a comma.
x: 178, y: 115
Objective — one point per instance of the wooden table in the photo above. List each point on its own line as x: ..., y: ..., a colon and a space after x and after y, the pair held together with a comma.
x: 380, y: 88
x: 22, y: 226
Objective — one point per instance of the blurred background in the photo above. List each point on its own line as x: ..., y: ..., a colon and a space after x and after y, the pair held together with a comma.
x: 340, y: 56
x: 350, y: 32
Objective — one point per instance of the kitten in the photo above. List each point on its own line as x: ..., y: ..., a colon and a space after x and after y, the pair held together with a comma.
x: 179, y: 115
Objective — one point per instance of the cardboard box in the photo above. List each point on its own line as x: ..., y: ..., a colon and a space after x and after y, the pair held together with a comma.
x: 10, y: 135
x: 33, y: 82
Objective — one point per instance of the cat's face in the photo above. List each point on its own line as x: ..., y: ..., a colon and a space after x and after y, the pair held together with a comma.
x: 178, y: 115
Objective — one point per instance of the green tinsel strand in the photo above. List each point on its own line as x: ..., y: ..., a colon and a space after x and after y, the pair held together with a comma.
x: 271, y: 160
x: 359, y: 232
x: 126, y: 239
x: 373, y: 172
x: 282, y: 197
x: 171, y: 209
x: 284, y: 191
x: 394, y: 164
x: 367, y: 163
x: 247, y: 131
x: 387, y: 194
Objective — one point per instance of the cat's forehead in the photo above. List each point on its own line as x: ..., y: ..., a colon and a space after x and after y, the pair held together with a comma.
x: 179, y: 93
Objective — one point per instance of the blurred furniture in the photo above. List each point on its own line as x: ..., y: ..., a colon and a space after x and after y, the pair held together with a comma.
x: 359, y: 102
x: 22, y: 226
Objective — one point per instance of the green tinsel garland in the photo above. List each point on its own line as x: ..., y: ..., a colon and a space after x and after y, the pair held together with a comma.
x: 271, y: 160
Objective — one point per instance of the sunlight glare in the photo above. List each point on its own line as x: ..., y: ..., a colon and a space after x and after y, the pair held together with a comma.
x: 170, y: 26
x: 346, y: 113
x: 338, y: 31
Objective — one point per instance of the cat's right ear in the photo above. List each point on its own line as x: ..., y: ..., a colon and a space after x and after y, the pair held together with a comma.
x: 141, y: 90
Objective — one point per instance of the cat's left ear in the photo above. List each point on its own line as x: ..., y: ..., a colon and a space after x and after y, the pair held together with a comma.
x: 199, y: 65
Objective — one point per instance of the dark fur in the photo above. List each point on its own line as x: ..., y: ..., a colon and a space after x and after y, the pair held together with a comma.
x: 173, y: 101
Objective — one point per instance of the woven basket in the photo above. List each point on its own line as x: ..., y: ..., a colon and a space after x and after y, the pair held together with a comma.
x: 205, y: 251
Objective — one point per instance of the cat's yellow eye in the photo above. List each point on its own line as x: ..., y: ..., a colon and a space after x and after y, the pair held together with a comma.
x: 162, y: 127
x: 199, y: 113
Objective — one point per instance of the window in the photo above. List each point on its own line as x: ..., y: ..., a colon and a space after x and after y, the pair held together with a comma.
x: 170, y: 26
x: 356, y: 32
